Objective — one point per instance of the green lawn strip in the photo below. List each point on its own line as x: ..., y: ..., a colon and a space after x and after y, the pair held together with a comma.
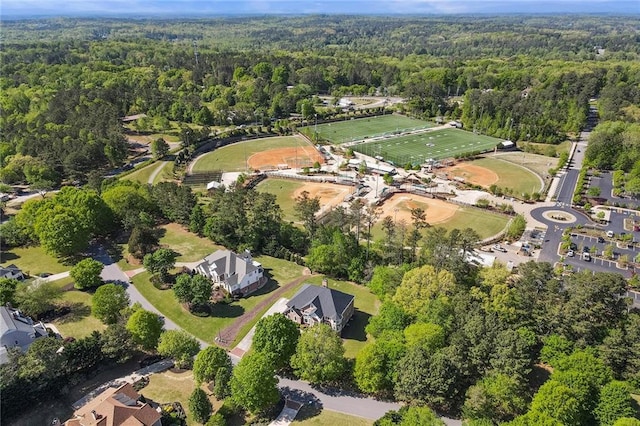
x: 414, y: 148
x: 206, y: 328
x: 79, y: 322
x: 32, y: 260
x: 165, y: 173
x: 171, y: 386
x: 145, y: 173
x: 307, y: 417
x: 519, y: 179
x: 348, y: 130
x: 232, y: 157
x: 283, y: 189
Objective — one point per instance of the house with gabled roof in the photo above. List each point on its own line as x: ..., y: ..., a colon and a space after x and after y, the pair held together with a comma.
x: 121, y: 406
x: 238, y: 274
x: 320, y: 304
x: 11, y: 271
x: 17, y: 331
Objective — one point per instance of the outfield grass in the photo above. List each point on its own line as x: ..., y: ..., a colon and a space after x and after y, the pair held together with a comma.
x: 540, y: 164
x: 206, y: 328
x: 32, y: 260
x: 416, y: 149
x: 512, y: 176
x: 283, y: 189
x: 232, y: 158
x: 361, y: 128
x: 485, y: 223
x: 328, y: 418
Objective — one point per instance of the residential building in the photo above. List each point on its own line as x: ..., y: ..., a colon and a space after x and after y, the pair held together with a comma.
x: 238, y: 274
x: 120, y: 406
x: 17, y: 331
x: 319, y: 304
x: 11, y: 271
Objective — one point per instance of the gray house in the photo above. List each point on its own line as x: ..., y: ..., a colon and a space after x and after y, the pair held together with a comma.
x: 17, y: 330
x: 238, y: 274
x: 11, y: 271
x: 314, y: 304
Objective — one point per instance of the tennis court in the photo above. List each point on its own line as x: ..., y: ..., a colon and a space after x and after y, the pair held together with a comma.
x: 357, y: 129
x: 418, y: 148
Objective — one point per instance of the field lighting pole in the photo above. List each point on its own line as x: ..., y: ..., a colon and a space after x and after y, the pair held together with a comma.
x: 316, y: 128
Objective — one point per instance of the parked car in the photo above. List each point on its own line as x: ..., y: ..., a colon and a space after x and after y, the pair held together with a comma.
x: 600, y: 240
x: 610, y: 234
x: 570, y: 253
x: 586, y: 256
x: 498, y: 247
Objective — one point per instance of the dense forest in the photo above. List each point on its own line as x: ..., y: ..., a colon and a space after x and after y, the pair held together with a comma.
x: 66, y: 82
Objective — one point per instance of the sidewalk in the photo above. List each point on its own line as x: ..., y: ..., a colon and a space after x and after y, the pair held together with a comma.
x: 288, y: 413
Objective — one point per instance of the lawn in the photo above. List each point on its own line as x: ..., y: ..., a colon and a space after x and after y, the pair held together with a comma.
x: 32, y: 260
x: 366, y: 305
x: 232, y: 158
x: 281, y: 272
x: 79, y: 322
x: 145, y: 173
x: 540, y: 164
x: 438, y: 144
x: 512, y: 176
x: 170, y: 386
x: 283, y: 189
x: 328, y: 418
x: 362, y: 128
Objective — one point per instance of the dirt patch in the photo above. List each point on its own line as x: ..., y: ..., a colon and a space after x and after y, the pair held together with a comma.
x: 330, y: 194
x: 302, y: 156
x: 473, y: 174
x: 399, y: 206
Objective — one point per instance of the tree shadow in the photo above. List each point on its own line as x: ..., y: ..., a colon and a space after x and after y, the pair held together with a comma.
x: 75, y: 312
x: 355, y: 328
x: 311, y: 406
x: 271, y: 285
x: 227, y: 310
x: 7, y: 256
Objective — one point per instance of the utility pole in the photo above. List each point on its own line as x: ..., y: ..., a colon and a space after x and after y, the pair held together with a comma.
x: 195, y: 50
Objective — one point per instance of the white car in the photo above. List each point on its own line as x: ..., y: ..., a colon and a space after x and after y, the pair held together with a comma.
x: 570, y: 253
x: 498, y: 247
x: 610, y: 234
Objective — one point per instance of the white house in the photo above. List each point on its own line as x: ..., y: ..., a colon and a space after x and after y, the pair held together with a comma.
x: 17, y: 331
x: 11, y: 271
x: 238, y: 274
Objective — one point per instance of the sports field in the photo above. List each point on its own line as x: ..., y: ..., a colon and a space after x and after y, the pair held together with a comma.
x: 438, y: 144
x: 267, y: 153
x: 361, y: 128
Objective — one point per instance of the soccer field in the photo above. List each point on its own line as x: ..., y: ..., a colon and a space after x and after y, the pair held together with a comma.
x: 361, y: 128
x: 439, y: 144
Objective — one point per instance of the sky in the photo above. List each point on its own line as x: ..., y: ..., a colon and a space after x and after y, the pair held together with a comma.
x: 182, y: 8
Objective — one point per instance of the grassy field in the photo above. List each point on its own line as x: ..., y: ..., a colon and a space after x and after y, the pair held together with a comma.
x: 511, y: 175
x: 79, y: 322
x: 283, y: 189
x: 361, y: 128
x: 281, y: 272
x: 145, y: 173
x: 170, y: 386
x: 485, y: 223
x: 540, y: 164
x: 232, y: 158
x: 327, y: 418
x: 32, y: 260
x: 438, y: 144
x: 188, y: 245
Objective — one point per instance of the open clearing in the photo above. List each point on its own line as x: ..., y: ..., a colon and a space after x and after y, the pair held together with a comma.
x: 361, y: 128
x: 512, y: 176
x: 441, y: 213
x: 437, y: 144
x: 540, y: 164
x: 473, y: 174
x: 286, y: 191
x: 234, y: 157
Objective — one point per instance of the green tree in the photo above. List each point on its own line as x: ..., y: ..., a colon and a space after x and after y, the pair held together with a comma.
x: 627, y: 421
x: 208, y: 362
x: 319, y: 356
x: 376, y: 364
x: 117, y: 343
x: 306, y: 208
x: 8, y: 288
x: 108, y: 301
x: 615, y: 403
x: 199, y: 406
x: 276, y: 337
x: 86, y: 274
x: 555, y: 348
x: 390, y: 318
x: 254, y: 385
x: 160, y: 262
x: 216, y: 419
x: 557, y: 401
x: 385, y: 280
x: 221, y: 387
x: 36, y: 298
x: 179, y: 345
x: 145, y: 328
x: 497, y: 397
x: 61, y: 233
x: 421, y: 285
x: 142, y: 241
x: 516, y: 227
x: 159, y: 148
x: 423, y: 416
x: 426, y: 335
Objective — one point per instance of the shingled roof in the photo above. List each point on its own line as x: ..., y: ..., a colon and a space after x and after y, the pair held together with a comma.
x: 328, y: 303
x: 233, y: 266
